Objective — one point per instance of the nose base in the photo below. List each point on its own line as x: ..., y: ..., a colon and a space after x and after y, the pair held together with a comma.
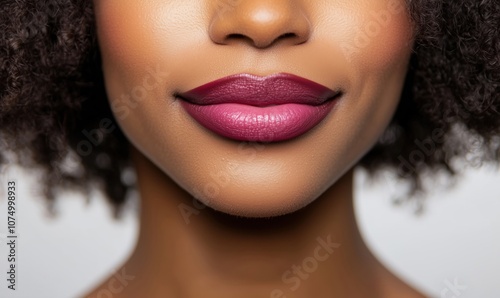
x: 260, y: 23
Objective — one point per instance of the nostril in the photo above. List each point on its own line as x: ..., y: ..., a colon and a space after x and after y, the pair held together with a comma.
x: 261, y: 24
x: 236, y: 36
x: 291, y: 36
x: 260, y: 43
x: 287, y: 35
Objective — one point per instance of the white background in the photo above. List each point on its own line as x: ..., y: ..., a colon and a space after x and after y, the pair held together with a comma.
x: 457, y: 239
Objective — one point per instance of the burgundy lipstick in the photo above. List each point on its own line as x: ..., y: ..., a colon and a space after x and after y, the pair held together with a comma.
x: 246, y: 107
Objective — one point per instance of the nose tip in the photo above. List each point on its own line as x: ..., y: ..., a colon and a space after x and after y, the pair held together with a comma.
x: 261, y: 23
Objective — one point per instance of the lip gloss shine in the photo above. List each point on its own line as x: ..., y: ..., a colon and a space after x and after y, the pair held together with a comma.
x: 245, y: 107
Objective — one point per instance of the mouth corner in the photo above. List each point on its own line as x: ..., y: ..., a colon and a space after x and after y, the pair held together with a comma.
x: 338, y: 94
x: 180, y: 96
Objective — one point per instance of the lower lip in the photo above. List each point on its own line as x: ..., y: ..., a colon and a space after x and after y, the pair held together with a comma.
x: 260, y: 124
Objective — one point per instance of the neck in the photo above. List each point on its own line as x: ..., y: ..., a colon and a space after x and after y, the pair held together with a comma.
x: 187, y: 251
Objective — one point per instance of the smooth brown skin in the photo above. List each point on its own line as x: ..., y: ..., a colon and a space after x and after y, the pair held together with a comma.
x: 188, y: 250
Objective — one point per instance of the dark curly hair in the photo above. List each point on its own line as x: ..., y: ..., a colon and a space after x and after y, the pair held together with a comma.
x: 52, y: 95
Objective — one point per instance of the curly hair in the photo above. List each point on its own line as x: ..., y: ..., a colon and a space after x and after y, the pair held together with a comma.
x: 52, y: 95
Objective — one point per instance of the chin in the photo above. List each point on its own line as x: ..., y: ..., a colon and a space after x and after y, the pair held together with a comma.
x: 248, y: 207
x: 260, y: 201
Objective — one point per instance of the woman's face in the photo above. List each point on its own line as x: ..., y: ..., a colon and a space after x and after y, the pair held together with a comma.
x: 154, y: 50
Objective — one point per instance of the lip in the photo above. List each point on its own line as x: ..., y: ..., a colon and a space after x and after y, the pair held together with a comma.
x: 246, y: 107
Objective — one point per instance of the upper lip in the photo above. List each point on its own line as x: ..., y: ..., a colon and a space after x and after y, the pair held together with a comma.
x: 254, y: 90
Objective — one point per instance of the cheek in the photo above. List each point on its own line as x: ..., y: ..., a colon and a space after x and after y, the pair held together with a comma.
x: 136, y: 34
x: 119, y: 39
x: 381, y: 37
x: 137, y: 41
x: 370, y: 36
x: 361, y: 43
x: 377, y: 44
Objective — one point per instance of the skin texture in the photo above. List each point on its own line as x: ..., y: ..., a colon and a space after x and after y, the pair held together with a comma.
x: 192, y: 43
x: 154, y: 49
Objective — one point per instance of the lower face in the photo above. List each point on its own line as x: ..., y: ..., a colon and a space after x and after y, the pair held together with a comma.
x: 154, y: 50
